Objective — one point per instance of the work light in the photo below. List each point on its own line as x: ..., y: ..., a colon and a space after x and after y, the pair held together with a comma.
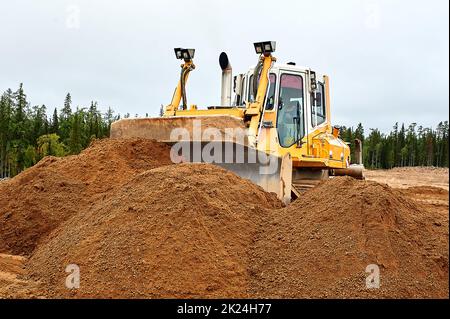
x: 258, y: 47
x: 188, y: 54
x: 269, y: 46
x: 178, y: 54
x: 265, y: 47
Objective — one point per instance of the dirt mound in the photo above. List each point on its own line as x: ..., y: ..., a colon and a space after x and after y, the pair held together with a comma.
x: 138, y: 227
x: 36, y: 201
x: 321, y: 245
x: 175, y: 231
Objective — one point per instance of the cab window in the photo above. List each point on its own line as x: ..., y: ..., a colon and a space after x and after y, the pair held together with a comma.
x: 318, y: 106
x: 244, y: 87
x: 270, y: 102
x: 270, y: 94
x: 290, y: 118
x: 251, y: 98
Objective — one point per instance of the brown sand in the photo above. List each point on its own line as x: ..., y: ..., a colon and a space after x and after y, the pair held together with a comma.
x: 405, y: 177
x: 138, y: 227
x: 173, y: 232
x: 36, y: 201
x: 321, y: 245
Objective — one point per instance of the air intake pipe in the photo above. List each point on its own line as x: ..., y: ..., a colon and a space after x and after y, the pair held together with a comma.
x: 227, y: 80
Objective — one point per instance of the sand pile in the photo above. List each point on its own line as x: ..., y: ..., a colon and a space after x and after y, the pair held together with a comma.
x: 175, y: 231
x: 138, y: 227
x: 321, y: 245
x: 36, y: 201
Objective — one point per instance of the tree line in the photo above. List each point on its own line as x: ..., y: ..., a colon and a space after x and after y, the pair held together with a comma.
x: 27, y: 134
x: 412, y: 145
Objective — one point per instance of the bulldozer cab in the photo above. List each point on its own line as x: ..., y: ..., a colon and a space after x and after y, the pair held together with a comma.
x: 294, y: 102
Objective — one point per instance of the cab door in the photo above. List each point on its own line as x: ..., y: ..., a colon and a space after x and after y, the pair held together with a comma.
x: 291, y: 108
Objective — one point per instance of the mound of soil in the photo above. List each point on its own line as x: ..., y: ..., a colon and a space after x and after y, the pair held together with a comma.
x: 179, y: 231
x: 36, y: 201
x: 320, y: 245
x: 140, y: 228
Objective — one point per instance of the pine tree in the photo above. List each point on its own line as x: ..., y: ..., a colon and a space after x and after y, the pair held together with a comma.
x: 20, y: 104
x: 6, y: 132
x: 65, y: 119
x: 5, y: 124
x: 55, y: 122
x: 359, y: 132
x: 92, y: 121
x: 396, y: 147
x: 19, y: 129
x: 38, y: 119
x: 67, y: 109
x: 109, y: 118
x: 75, y: 145
x: 401, y: 146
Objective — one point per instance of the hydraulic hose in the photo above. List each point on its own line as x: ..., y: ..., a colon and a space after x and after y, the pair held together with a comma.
x: 184, y: 73
x: 183, y: 88
x: 256, y: 73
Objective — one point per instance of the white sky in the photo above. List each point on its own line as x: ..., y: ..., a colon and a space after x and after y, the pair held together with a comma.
x: 388, y: 60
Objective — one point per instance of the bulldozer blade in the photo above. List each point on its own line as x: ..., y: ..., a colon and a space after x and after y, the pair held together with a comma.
x: 226, y: 145
x: 272, y: 173
x: 168, y: 129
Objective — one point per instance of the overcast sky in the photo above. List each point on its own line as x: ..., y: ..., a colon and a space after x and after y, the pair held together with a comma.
x: 387, y: 60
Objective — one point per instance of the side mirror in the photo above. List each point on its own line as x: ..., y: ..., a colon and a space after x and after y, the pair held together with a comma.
x: 317, y: 99
x: 313, y: 79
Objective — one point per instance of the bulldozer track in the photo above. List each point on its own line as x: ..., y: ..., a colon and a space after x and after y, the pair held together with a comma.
x: 301, y: 186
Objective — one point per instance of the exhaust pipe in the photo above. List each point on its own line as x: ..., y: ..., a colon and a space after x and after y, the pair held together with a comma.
x: 227, y: 79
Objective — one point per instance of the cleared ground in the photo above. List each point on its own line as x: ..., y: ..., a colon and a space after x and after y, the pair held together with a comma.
x: 404, y: 177
x: 425, y: 185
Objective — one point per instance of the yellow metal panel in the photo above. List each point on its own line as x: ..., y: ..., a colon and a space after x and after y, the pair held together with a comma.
x: 237, y: 112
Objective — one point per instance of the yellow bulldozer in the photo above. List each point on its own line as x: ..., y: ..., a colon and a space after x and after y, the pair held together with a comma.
x: 274, y: 130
